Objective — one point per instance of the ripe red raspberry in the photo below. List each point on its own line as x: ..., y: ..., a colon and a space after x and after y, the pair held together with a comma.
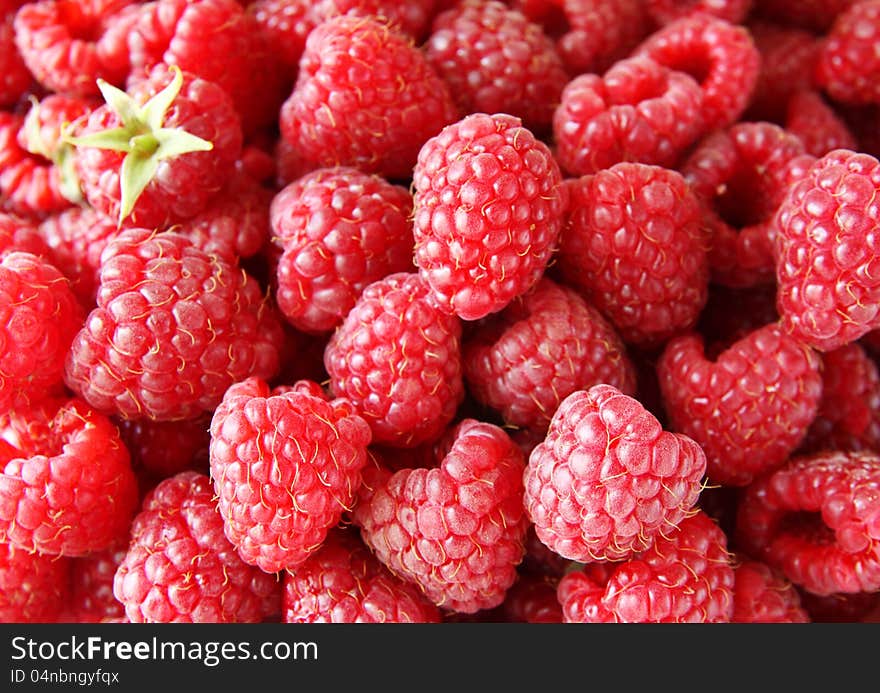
x: 173, y: 328
x: 343, y: 582
x: 815, y: 15
x: 15, y: 77
x: 76, y: 237
x: 685, y: 577
x: 608, y: 480
x: 633, y: 245
x: 740, y: 175
x: 545, y: 345
x: 71, y: 490
x: 285, y: 465
x: 637, y: 111
x: 365, y: 97
x: 666, y: 11
x: 489, y: 205
x: 816, y: 122
x: 17, y: 233
x: 397, y: 357
x: 762, y: 594
x: 91, y: 598
x: 62, y: 43
x: 849, y: 67
x: 749, y: 407
x: 158, y: 153
x: 34, y: 587
x: 457, y: 530
x: 590, y: 36
x: 815, y: 519
x: 218, y: 41
x: 495, y: 60
x: 849, y: 411
x: 853, y: 607
x: 788, y: 59
x: 827, y: 270
x: 180, y: 567
x: 532, y: 599
x: 160, y: 449
x: 721, y: 55
x: 731, y: 314
x: 339, y: 229
x: 39, y: 317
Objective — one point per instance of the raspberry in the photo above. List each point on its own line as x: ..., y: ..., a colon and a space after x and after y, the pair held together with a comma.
x: 634, y: 247
x: 34, y: 587
x: 731, y: 314
x: 637, y: 111
x: 666, y: 11
x: 216, y: 40
x: 815, y: 519
x: 15, y: 77
x: 541, y: 348
x: 853, y: 607
x: 750, y: 407
x: 495, y: 60
x: 815, y: 15
x: 762, y: 594
x: 173, y: 328
x: 156, y: 154
x: 339, y: 229
x: 63, y: 46
x: 457, y: 530
x: 788, y: 59
x: 343, y: 582
x: 849, y: 411
x: 685, y: 577
x: 817, y: 124
x: 285, y: 467
x: 397, y: 357
x: 848, y: 67
x: 180, y: 567
x: 532, y: 599
x: 76, y: 237
x: 722, y: 56
x: 365, y: 97
x: 607, y: 480
x: 827, y: 269
x: 39, y: 317
x: 17, y: 233
x: 71, y: 490
x: 91, y: 598
x: 165, y: 448
x: 489, y: 205
x: 740, y: 175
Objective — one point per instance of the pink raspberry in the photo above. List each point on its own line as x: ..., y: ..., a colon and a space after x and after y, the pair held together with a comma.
x: 285, y: 465
x: 666, y: 11
x: 685, y: 577
x: 827, y: 267
x: 749, y: 407
x: 18, y: 233
x: 721, y: 55
x: 365, y: 97
x: 489, y: 205
x: 173, y: 328
x: 91, y: 578
x: 762, y: 594
x: 495, y: 60
x: 343, y: 582
x: 633, y: 245
x: 815, y: 519
x: 532, y: 599
x: 39, y: 318
x: 816, y: 122
x: 397, y: 358
x: 636, y: 111
x: 160, y: 449
x: 608, y: 480
x: 34, y: 587
x: 179, y: 567
x: 848, y: 67
x: 740, y: 175
x: 70, y: 490
x: 541, y: 348
x: 15, y: 78
x: 457, y: 529
x: 339, y: 229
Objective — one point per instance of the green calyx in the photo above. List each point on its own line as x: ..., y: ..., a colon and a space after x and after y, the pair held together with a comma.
x: 142, y: 137
x: 61, y: 154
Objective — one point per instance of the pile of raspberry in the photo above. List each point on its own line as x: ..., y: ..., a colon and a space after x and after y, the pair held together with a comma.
x: 540, y: 311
